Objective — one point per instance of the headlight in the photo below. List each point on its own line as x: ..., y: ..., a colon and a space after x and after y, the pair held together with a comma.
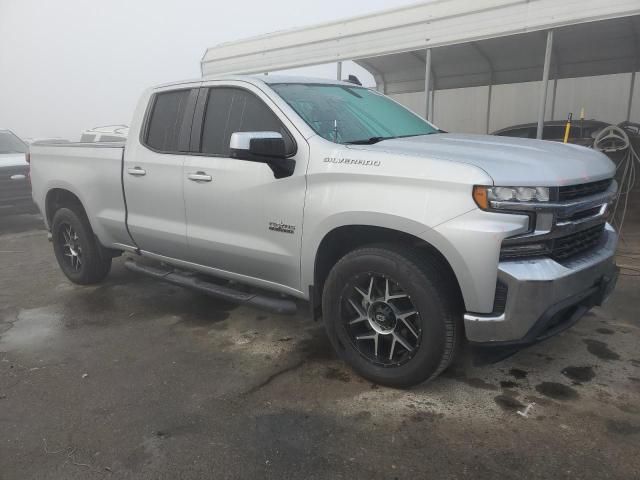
x: 483, y: 195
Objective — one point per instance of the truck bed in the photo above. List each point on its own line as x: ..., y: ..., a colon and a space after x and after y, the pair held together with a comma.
x: 93, y: 173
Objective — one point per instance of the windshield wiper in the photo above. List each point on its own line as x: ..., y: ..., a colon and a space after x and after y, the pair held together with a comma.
x: 368, y: 141
x: 372, y: 140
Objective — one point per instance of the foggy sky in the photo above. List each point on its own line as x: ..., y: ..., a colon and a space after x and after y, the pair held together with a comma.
x: 69, y: 65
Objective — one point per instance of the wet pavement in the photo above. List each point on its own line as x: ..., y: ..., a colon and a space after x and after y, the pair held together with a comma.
x: 139, y: 379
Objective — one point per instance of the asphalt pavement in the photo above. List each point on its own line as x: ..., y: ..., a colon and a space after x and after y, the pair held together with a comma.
x: 139, y: 379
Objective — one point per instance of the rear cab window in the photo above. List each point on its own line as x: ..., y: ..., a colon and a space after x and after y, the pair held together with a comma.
x: 169, y: 121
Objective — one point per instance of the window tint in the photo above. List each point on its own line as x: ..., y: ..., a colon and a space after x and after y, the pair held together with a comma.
x: 9, y: 143
x: 518, y: 132
x: 232, y: 110
x: 166, y: 119
x: 556, y: 132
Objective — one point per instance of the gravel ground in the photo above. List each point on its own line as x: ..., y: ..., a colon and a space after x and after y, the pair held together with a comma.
x: 140, y: 379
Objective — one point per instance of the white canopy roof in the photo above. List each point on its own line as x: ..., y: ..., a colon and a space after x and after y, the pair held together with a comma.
x: 473, y: 43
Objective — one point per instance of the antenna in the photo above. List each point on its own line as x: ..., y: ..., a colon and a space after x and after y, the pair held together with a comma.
x: 354, y: 79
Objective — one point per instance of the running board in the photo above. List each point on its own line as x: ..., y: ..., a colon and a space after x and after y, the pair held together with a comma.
x: 263, y: 302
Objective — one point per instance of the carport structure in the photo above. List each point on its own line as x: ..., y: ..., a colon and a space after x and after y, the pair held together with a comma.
x: 447, y: 44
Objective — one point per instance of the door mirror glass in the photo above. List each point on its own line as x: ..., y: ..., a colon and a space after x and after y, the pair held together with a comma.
x: 262, y: 147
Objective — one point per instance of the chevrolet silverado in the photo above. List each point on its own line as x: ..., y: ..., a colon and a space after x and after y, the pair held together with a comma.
x: 404, y: 239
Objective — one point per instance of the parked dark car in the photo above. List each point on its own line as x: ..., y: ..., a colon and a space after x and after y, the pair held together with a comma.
x: 15, y: 188
x: 582, y: 131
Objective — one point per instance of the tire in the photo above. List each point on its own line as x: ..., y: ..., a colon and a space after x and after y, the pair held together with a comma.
x: 82, y: 259
x: 416, y: 280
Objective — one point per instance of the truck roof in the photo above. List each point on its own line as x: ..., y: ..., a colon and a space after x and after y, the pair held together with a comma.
x: 265, y: 79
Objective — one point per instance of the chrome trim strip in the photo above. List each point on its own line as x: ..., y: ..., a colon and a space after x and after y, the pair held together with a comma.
x: 560, y: 225
x: 557, y: 232
x: 563, y: 209
x: 475, y: 317
x: 601, y: 213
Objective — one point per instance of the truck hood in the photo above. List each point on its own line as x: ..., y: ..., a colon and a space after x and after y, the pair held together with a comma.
x: 508, y: 161
x: 12, y: 160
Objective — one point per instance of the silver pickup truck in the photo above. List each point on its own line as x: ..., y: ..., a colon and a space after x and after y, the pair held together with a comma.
x: 404, y: 239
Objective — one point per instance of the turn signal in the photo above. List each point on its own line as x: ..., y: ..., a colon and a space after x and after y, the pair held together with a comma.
x: 480, y: 196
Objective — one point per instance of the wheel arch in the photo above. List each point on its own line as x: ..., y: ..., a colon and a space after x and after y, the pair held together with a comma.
x: 60, y: 197
x: 341, y: 239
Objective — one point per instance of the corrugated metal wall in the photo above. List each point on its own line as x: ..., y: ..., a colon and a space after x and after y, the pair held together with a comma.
x: 465, y: 110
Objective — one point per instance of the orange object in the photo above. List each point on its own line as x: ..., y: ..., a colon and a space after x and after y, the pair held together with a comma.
x: 567, y: 128
x: 480, y: 196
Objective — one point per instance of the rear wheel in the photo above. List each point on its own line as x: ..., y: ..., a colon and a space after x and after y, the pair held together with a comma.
x: 82, y: 259
x: 392, y: 313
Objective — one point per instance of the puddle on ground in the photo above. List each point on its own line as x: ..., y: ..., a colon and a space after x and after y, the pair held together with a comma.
x: 579, y: 374
x: 518, y: 373
x: 605, y: 331
x: 601, y: 350
x: 508, y: 403
x: 557, y: 391
x: 30, y: 328
x: 508, y: 384
x: 318, y: 347
x: 332, y: 373
x: 622, y: 427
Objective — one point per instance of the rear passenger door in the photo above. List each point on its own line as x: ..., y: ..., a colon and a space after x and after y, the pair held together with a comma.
x: 152, y: 175
x: 241, y: 220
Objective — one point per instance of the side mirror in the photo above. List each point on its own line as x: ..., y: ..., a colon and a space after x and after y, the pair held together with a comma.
x: 262, y: 147
x: 257, y: 146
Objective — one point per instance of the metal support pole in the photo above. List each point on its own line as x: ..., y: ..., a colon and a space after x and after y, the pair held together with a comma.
x: 427, y: 83
x: 545, y: 83
x: 339, y: 71
x: 433, y: 105
x: 631, y: 88
x: 553, y: 98
x: 489, y: 94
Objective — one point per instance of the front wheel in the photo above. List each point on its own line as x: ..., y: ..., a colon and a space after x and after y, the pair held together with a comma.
x: 392, y: 313
x: 82, y: 259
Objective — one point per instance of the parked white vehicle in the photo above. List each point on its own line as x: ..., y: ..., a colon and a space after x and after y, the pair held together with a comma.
x: 107, y: 133
x: 15, y: 190
x: 404, y: 239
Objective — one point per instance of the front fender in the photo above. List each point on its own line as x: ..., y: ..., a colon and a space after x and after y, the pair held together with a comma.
x: 327, y: 225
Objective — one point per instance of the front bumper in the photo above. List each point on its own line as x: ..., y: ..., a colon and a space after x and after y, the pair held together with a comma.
x: 545, y: 297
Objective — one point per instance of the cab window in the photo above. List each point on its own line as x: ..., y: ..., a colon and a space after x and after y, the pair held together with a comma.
x: 167, y: 120
x: 230, y: 110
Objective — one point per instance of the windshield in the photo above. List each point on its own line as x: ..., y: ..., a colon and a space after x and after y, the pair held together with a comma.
x: 345, y: 114
x: 9, y: 143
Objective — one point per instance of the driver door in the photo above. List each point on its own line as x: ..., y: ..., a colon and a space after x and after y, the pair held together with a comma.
x: 241, y: 220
